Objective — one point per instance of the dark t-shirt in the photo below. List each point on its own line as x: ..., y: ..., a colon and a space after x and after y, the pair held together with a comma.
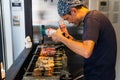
x: 101, y: 64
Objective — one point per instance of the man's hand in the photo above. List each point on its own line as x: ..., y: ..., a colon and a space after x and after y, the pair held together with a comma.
x: 56, y: 37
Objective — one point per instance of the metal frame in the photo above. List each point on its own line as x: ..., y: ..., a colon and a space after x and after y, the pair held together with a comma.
x: 2, y: 43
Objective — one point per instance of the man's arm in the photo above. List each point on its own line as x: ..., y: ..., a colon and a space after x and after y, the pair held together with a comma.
x: 84, y: 48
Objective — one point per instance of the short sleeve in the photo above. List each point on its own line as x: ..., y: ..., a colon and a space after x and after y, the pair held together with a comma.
x: 91, y: 29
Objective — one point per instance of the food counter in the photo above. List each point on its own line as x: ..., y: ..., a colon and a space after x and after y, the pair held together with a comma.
x: 18, y: 71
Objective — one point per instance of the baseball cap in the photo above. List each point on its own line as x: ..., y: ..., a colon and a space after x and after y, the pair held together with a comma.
x: 64, y: 6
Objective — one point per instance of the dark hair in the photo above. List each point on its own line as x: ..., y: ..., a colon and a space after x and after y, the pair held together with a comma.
x: 77, y: 7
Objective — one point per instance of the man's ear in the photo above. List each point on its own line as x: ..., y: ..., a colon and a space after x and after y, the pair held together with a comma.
x: 73, y: 11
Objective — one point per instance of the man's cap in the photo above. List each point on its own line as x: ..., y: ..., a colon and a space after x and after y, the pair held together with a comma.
x: 64, y: 6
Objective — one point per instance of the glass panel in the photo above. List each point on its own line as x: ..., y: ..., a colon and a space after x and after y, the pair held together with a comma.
x: 44, y: 12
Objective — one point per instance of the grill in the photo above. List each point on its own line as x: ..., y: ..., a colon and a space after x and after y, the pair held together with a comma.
x: 52, y: 66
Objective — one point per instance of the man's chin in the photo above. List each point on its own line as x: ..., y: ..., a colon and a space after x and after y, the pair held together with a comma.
x: 78, y: 24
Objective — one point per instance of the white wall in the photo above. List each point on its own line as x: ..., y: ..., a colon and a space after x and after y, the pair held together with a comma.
x: 117, y: 29
x: 14, y: 35
x: 18, y: 31
x: 114, y: 10
x: 93, y: 4
x: 7, y: 32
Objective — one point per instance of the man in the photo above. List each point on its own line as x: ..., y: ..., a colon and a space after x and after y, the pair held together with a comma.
x: 99, y: 41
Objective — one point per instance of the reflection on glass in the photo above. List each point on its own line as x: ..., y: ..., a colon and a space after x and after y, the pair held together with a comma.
x: 44, y: 12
